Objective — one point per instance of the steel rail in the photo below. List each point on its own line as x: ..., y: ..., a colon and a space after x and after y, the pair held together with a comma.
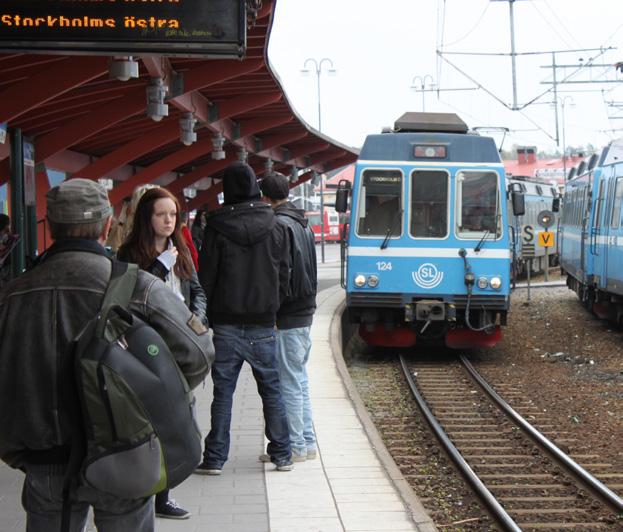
x: 486, y: 497
x: 589, y: 481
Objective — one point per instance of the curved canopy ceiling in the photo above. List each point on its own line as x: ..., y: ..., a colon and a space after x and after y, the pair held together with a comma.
x: 85, y: 123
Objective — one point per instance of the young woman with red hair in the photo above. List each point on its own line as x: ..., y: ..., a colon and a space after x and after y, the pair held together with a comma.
x: 156, y: 244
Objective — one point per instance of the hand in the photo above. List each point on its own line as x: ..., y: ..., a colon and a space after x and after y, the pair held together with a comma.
x: 168, y: 258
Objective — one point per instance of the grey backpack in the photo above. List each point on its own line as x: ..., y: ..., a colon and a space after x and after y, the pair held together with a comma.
x: 137, y: 409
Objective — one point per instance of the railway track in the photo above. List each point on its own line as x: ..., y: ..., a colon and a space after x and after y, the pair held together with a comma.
x: 506, y: 461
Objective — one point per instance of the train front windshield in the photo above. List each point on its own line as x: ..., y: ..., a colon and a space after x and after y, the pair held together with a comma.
x: 478, y: 206
x: 380, y: 203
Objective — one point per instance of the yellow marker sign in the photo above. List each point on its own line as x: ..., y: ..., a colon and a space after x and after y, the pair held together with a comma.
x: 546, y: 239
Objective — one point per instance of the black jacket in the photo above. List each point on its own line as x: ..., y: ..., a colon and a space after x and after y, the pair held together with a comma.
x: 194, y: 297
x: 297, y: 310
x: 244, y: 264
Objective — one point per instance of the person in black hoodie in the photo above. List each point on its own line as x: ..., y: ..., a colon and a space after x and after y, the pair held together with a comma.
x: 244, y: 269
x: 294, y: 318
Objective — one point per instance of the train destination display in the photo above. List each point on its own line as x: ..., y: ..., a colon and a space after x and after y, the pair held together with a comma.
x: 172, y: 27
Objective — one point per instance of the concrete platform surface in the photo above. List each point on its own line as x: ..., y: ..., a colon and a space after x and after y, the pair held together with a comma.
x: 351, y: 486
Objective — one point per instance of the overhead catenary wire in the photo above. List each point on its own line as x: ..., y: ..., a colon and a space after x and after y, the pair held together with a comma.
x: 471, y: 30
x: 554, y: 27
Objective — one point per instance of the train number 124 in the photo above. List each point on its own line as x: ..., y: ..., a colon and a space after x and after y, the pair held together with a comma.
x: 383, y: 266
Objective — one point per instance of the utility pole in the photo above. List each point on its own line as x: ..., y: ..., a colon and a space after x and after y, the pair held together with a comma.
x: 514, y: 106
x: 513, y: 58
x: 555, y: 82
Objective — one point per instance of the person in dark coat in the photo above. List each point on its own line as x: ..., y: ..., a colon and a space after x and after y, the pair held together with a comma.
x: 198, y: 227
x: 294, y: 318
x: 244, y: 270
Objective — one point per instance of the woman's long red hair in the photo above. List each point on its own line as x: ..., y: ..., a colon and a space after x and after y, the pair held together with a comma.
x: 140, y: 243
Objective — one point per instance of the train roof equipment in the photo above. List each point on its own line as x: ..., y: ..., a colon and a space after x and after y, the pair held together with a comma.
x: 430, y: 137
x: 430, y: 122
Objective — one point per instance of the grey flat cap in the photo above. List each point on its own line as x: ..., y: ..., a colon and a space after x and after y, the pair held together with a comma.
x: 78, y: 201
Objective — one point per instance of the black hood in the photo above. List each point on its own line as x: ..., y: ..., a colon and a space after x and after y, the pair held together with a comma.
x: 240, y: 184
x: 289, y: 209
x: 244, y: 223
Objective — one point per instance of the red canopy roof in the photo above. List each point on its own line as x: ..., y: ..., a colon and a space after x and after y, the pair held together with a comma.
x: 89, y: 125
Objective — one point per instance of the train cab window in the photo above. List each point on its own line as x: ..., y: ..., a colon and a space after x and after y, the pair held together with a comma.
x: 478, y: 204
x: 380, y: 203
x: 429, y: 204
x: 615, y: 222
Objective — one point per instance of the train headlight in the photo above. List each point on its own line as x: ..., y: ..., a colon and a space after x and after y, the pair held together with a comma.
x: 482, y: 283
x: 360, y: 281
x: 373, y: 281
x: 496, y: 283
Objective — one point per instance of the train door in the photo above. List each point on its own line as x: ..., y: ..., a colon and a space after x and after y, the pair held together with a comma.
x: 614, y: 250
x: 596, y: 246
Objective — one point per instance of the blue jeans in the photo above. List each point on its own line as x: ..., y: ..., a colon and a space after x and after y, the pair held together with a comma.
x: 235, y: 344
x: 293, y: 347
x: 42, y: 498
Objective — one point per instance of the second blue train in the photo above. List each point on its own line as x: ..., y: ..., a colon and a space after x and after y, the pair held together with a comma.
x: 591, y: 232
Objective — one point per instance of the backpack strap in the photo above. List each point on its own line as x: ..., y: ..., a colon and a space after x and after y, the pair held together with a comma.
x: 123, y: 278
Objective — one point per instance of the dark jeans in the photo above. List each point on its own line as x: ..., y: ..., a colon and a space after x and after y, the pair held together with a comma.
x: 235, y: 344
x: 43, y: 501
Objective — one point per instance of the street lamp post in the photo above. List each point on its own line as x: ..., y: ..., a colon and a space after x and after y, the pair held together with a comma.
x: 318, y: 70
x: 422, y: 87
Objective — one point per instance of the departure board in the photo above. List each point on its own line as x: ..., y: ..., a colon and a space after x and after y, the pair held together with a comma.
x: 129, y: 27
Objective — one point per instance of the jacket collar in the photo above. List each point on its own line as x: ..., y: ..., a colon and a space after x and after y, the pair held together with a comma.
x: 73, y: 244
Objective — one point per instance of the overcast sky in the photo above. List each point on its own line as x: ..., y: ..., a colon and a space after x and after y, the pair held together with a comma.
x: 378, y: 48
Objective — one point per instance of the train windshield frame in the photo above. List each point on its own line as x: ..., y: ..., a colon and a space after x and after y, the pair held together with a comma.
x: 430, y: 198
x: 478, y: 204
x: 379, y: 207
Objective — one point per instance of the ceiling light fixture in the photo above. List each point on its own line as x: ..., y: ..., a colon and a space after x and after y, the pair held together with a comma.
x: 243, y: 155
x: 294, y: 175
x: 122, y: 68
x: 156, y: 92
x: 187, y: 129
x: 218, y: 141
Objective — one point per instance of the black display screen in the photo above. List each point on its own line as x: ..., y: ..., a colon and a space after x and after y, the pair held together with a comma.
x: 170, y: 27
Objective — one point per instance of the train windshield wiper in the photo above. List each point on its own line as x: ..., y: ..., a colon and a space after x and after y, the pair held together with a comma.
x: 487, y: 233
x: 482, y: 240
x: 390, y: 229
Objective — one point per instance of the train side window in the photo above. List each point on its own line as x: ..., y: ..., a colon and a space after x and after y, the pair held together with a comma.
x: 539, y: 190
x: 380, y: 203
x: 429, y: 204
x: 478, y: 204
x: 615, y: 222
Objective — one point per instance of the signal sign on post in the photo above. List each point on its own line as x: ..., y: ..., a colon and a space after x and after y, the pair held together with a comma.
x: 527, y: 250
x: 546, y: 239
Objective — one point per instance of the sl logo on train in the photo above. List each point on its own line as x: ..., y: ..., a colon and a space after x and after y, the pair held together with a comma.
x: 427, y: 276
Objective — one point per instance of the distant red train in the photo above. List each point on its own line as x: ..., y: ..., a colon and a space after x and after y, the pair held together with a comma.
x: 332, y: 225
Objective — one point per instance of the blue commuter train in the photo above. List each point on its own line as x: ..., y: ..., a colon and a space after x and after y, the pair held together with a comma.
x: 427, y: 255
x: 591, y: 232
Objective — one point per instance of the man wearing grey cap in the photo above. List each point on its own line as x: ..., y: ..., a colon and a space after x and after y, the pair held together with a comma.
x: 40, y: 313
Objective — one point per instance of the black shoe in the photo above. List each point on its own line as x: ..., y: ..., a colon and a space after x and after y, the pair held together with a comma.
x: 205, y: 469
x: 171, y: 510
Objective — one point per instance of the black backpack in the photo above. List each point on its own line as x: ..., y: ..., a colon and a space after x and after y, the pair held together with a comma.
x: 137, y: 410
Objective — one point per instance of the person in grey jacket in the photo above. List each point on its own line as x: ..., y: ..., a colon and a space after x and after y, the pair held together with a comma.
x: 41, y: 312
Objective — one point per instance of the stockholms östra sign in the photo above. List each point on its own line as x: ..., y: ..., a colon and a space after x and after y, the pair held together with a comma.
x: 208, y: 28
